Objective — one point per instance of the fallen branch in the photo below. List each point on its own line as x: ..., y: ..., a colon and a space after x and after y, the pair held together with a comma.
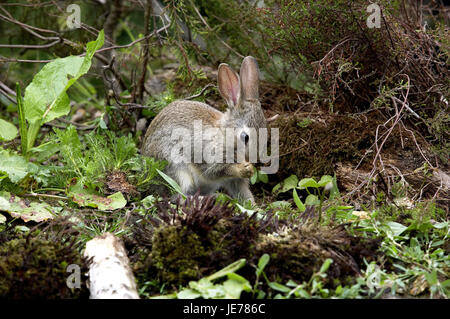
x: 110, y: 275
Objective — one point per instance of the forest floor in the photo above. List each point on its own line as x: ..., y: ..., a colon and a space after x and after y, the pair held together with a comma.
x: 382, y: 231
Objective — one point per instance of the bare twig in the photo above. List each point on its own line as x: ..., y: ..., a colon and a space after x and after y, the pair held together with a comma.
x: 140, y: 88
x: 30, y: 46
x: 132, y: 43
x: 211, y: 30
x: 396, y: 119
x: 201, y: 92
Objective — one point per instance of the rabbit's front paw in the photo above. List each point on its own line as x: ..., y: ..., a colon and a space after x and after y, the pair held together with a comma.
x: 244, y: 170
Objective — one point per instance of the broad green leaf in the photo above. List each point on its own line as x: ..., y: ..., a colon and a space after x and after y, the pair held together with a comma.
x: 2, y: 219
x: 307, y: 182
x: 263, y: 177
x: 87, y: 197
x: 312, y: 200
x: 432, y: 277
x: 14, y: 166
x: 441, y: 225
x: 325, y: 180
x: 112, y: 202
x: 288, y: 184
x: 8, y: 131
x: 45, y: 98
x: 24, y: 209
x: 396, y: 228
x: 234, y: 286
x: 301, y: 207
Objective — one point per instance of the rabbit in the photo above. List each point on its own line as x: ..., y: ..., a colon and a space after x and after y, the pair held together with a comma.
x: 241, y: 93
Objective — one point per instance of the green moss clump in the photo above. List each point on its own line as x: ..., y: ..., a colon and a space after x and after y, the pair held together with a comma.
x: 195, y: 239
x: 34, y: 267
x: 301, y: 250
x: 176, y: 254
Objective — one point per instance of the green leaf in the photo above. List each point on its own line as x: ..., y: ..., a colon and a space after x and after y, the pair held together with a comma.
x: 44, y: 151
x: 446, y: 284
x: 276, y: 188
x: 326, y: 265
x: 26, y: 210
x: 325, y: 180
x: 288, y: 184
x: 188, y: 293
x: 312, y: 200
x: 45, y: 97
x: 432, y: 278
x: 207, y: 289
x: 262, y: 263
x: 278, y: 287
x: 254, y: 177
x: 172, y: 183
x: 112, y: 202
x: 234, y: 286
x: 308, y: 182
x: 302, y: 293
x: 291, y: 283
x: 263, y: 177
x: 84, y: 197
x: 396, y: 228
x: 8, y: 131
x: 2, y: 219
x: 227, y: 270
x: 102, y: 124
x: 301, y: 207
x: 441, y: 225
x: 14, y: 166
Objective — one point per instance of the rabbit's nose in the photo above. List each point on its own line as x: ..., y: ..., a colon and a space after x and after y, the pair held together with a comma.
x: 244, y: 137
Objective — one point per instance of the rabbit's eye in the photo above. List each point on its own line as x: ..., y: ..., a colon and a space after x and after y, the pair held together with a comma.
x: 244, y: 137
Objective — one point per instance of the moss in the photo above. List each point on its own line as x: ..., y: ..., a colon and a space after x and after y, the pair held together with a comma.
x: 195, y: 239
x: 176, y: 254
x: 35, y: 267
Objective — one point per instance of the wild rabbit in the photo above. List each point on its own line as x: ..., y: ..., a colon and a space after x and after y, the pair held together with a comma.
x: 243, y: 117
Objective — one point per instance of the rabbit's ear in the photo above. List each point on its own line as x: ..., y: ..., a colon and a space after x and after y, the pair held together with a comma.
x: 250, y: 78
x: 229, y: 85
